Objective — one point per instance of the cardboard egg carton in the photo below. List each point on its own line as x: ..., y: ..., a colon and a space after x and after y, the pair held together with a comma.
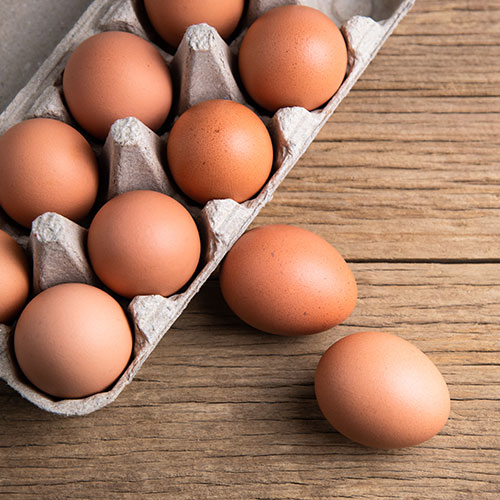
x: 133, y: 157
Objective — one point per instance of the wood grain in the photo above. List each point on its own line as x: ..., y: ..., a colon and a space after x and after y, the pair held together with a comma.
x: 404, y: 180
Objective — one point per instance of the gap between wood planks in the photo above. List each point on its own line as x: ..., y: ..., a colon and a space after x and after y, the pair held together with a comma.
x: 454, y: 261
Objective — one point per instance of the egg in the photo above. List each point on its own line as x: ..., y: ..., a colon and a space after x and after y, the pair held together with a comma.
x: 46, y: 166
x: 288, y: 281
x: 170, y: 18
x: 292, y: 55
x: 72, y: 340
x: 144, y: 243
x: 381, y: 391
x: 115, y: 75
x: 219, y: 149
x: 14, y: 278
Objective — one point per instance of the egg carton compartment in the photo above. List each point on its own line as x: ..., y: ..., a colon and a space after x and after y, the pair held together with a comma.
x: 134, y: 157
x: 339, y: 11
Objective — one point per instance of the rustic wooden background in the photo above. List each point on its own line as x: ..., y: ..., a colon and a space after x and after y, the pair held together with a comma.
x: 405, y: 181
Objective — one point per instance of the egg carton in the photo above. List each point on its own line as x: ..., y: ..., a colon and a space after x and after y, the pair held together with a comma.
x: 133, y: 157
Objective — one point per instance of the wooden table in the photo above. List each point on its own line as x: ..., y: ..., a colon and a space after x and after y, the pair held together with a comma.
x: 405, y: 181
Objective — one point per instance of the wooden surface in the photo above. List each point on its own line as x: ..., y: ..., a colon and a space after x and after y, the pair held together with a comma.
x: 405, y: 181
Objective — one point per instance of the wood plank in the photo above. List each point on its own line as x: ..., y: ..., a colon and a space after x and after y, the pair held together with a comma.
x: 223, y: 411
x: 413, y: 202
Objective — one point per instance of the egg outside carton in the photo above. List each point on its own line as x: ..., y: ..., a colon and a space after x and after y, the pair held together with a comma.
x: 132, y: 156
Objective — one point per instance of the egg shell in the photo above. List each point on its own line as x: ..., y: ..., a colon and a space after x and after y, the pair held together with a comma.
x: 292, y: 55
x: 46, y: 166
x: 288, y: 281
x: 144, y: 243
x: 170, y: 18
x: 381, y: 391
x: 73, y: 340
x: 219, y: 149
x: 14, y: 278
x: 114, y: 75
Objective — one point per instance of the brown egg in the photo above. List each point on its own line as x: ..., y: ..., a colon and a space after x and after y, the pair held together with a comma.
x: 219, y: 149
x: 14, y: 278
x: 73, y: 340
x: 115, y: 75
x: 292, y: 56
x: 144, y: 243
x: 46, y: 166
x: 170, y: 18
x: 288, y: 281
x: 381, y: 391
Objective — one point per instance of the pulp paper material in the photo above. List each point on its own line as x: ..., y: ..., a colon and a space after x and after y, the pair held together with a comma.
x: 133, y: 157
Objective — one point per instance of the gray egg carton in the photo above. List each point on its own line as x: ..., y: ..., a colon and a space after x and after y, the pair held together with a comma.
x: 133, y: 157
